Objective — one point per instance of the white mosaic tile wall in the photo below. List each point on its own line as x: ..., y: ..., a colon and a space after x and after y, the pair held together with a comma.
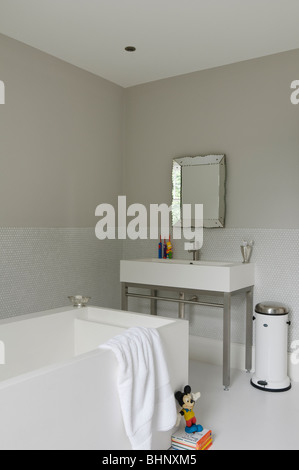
x: 40, y: 268
x: 276, y: 255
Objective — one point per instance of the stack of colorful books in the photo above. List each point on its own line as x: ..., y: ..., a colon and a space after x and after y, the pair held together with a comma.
x: 181, y: 440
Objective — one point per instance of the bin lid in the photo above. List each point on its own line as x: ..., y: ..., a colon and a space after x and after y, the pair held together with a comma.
x: 271, y: 308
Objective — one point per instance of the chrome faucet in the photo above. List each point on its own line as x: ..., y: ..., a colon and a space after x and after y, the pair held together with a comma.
x: 196, y: 254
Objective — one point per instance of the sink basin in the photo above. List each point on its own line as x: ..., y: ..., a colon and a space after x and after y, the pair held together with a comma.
x: 187, y: 274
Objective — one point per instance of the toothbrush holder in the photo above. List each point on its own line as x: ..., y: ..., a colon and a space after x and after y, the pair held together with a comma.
x: 246, y: 253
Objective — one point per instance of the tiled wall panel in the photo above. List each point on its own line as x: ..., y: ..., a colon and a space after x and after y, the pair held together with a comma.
x: 276, y: 255
x: 41, y: 267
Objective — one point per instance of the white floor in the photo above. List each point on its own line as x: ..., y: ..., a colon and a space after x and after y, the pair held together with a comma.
x: 244, y: 417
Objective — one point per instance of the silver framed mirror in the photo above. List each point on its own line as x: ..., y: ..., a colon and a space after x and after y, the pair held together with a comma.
x: 200, y: 180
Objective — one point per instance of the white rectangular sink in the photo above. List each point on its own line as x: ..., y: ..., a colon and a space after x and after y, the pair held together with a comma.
x: 187, y: 274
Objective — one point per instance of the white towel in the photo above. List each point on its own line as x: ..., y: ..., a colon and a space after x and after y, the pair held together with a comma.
x: 146, y: 398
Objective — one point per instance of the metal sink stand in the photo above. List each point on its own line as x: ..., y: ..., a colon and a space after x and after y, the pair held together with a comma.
x: 153, y: 297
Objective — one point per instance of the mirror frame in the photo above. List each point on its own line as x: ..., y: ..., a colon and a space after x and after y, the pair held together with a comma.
x: 177, y: 186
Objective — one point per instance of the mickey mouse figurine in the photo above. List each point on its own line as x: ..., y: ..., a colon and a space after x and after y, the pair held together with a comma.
x: 187, y: 400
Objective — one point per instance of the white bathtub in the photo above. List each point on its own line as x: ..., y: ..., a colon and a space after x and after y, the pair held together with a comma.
x: 58, y: 390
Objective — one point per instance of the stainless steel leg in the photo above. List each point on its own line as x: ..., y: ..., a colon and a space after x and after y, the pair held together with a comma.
x: 226, y: 339
x: 249, y: 329
x: 154, y: 302
x: 182, y: 306
x: 124, y: 298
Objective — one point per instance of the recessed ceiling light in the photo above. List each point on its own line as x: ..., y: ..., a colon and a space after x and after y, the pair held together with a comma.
x: 130, y: 49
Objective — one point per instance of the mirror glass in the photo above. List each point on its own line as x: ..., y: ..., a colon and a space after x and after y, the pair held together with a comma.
x: 199, y: 180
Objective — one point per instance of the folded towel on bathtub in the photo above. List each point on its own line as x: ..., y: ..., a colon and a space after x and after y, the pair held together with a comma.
x: 146, y: 398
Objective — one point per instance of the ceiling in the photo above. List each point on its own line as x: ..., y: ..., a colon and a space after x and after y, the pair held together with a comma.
x: 172, y: 37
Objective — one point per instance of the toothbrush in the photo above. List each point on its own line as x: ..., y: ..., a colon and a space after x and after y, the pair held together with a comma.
x: 160, y: 248
x: 164, y: 250
x: 169, y: 249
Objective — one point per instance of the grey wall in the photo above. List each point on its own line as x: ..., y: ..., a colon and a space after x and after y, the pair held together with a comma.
x: 61, y: 140
x: 242, y: 110
x: 61, y: 144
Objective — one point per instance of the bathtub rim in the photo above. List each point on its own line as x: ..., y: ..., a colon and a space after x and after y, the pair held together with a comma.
x: 84, y: 310
x: 75, y: 358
